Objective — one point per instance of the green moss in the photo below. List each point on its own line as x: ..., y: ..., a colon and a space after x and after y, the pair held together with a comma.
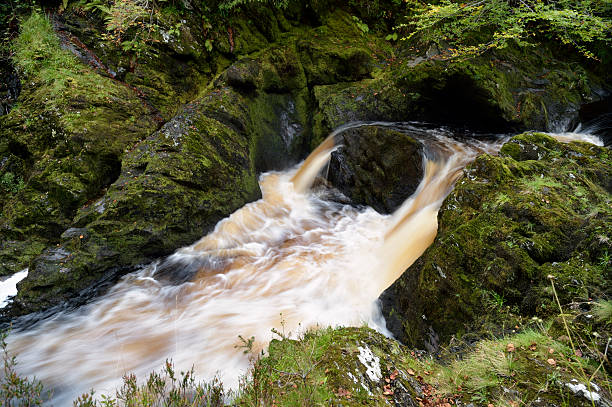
x: 67, y: 134
x: 507, y: 226
x: 329, y: 367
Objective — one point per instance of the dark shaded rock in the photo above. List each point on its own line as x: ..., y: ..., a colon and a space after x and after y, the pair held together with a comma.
x: 542, y: 208
x: 376, y: 166
x: 10, y: 86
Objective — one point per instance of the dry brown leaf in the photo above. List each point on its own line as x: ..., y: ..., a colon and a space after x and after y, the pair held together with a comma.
x: 510, y: 347
x: 552, y: 362
x: 410, y: 372
x: 343, y: 393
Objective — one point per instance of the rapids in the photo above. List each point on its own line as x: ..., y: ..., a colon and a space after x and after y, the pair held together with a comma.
x: 292, y: 260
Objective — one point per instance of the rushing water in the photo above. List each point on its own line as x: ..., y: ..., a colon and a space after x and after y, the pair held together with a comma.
x: 290, y: 261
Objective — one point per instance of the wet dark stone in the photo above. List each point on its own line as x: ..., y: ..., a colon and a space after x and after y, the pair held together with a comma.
x: 376, y: 166
x: 10, y: 86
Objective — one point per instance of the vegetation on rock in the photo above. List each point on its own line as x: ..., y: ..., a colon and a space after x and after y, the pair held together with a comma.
x: 509, y: 224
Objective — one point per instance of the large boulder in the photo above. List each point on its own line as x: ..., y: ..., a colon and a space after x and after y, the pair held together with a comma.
x: 376, y: 166
x: 541, y: 208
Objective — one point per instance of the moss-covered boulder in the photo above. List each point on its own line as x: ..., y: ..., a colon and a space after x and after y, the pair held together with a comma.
x: 345, y: 366
x: 173, y: 187
x: 61, y: 145
x: 540, y: 209
x: 376, y: 166
x: 358, y: 366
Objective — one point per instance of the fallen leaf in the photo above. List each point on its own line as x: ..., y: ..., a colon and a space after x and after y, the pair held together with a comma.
x: 343, y: 393
x: 552, y: 362
x: 394, y: 374
x: 578, y: 353
x: 410, y: 372
x: 551, y: 350
x: 510, y: 347
x: 533, y: 346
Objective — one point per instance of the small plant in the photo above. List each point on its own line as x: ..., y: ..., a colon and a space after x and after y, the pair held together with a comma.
x: 605, y: 259
x: 361, y: 25
x: 10, y: 183
x: 246, y: 344
x: 14, y: 389
x: 165, y: 388
x: 495, y: 301
x: 603, y: 311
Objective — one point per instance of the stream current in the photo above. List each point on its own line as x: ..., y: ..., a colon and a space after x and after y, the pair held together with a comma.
x: 292, y: 260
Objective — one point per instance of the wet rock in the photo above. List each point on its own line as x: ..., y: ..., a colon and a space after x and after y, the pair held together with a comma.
x: 376, y: 166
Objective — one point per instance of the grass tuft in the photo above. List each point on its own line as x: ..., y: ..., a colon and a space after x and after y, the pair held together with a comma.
x: 603, y: 311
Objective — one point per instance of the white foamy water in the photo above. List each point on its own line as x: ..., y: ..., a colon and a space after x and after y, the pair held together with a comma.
x: 571, y: 136
x: 8, y: 287
x: 290, y: 261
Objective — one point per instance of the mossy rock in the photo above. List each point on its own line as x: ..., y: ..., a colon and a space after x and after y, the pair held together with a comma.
x: 62, y: 142
x: 173, y: 188
x: 344, y: 366
x: 359, y: 366
x: 541, y: 208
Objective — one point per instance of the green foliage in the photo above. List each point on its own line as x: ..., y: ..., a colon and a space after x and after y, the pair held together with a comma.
x: 37, y: 49
x: 131, y: 24
x: 227, y: 6
x: 361, y: 25
x: 14, y: 389
x: 603, y: 311
x: 10, y: 11
x: 10, y: 183
x: 37, y: 54
x: 391, y: 37
x: 474, y: 27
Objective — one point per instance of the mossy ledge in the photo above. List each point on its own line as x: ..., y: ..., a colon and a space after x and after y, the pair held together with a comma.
x: 541, y: 208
